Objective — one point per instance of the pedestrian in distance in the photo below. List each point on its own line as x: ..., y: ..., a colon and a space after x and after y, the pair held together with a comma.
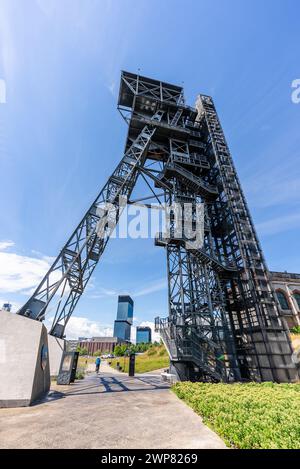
x: 98, y: 363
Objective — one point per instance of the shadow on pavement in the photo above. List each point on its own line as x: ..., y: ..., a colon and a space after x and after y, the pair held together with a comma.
x: 126, y: 384
x: 107, y: 384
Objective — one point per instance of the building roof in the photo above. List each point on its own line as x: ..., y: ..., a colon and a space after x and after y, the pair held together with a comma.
x: 125, y: 299
x: 104, y: 339
x: 284, y: 276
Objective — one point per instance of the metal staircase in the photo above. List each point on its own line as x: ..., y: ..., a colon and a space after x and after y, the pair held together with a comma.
x: 194, y: 348
x: 201, y: 255
x: 224, y: 322
x: 176, y: 117
x: 194, y: 183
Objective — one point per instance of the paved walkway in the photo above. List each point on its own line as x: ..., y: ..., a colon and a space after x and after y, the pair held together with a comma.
x: 107, y: 411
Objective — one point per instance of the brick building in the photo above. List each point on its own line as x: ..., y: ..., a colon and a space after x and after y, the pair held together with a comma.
x: 287, y: 288
x: 104, y: 344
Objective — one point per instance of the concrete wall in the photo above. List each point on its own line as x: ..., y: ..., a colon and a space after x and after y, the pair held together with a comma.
x: 23, y: 378
x: 56, y: 349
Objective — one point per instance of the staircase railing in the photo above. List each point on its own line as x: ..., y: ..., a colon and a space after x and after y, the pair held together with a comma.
x: 189, y: 348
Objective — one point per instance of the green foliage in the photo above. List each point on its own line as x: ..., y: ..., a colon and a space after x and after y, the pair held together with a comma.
x: 120, y: 350
x: 141, y: 348
x: 295, y: 330
x: 252, y: 415
x: 159, y: 350
x: 154, y: 358
x: 82, y: 350
x: 98, y: 353
x: 80, y: 372
x: 117, y: 350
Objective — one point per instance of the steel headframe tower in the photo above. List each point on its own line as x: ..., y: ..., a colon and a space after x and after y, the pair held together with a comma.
x: 223, y: 322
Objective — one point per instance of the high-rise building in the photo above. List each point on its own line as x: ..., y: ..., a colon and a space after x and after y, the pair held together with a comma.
x: 122, y: 327
x: 143, y: 335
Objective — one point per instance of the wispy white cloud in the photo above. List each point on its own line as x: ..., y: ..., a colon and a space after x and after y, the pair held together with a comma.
x: 84, y: 327
x: 80, y: 326
x: 6, y: 244
x: 158, y: 285
x: 8, y: 52
x: 102, y: 292
x: 20, y: 273
x: 151, y: 287
x: 272, y: 186
x: 279, y: 224
x: 112, y: 88
x: 272, y: 176
x: 2, y: 91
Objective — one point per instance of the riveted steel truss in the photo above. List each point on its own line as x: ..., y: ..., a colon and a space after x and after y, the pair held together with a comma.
x: 223, y: 322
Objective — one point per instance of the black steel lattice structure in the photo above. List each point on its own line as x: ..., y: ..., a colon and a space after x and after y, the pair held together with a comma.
x: 223, y: 322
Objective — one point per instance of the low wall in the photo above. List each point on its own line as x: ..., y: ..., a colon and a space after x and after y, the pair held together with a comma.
x: 56, y: 348
x: 24, y: 360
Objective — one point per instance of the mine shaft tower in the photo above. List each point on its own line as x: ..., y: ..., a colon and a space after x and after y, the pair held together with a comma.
x: 223, y: 322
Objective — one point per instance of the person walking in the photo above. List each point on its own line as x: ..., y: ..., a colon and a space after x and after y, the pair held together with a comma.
x: 98, y: 363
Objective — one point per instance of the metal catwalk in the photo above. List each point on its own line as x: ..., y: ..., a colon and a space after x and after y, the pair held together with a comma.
x: 223, y: 322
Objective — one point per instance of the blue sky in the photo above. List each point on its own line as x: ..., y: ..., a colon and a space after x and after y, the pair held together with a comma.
x: 61, y: 135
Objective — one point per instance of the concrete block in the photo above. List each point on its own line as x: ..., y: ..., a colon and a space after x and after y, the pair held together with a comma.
x: 56, y: 349
x: 24, y: 361
x: 169, y: 377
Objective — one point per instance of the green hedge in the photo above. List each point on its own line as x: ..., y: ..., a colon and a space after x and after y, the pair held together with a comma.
x: 248, y: 415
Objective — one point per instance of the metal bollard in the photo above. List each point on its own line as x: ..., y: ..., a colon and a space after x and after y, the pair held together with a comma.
x: 131, y: 364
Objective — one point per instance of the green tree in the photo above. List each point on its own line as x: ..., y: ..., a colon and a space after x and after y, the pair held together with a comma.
x: 82, y: 350
x: 120, y: 350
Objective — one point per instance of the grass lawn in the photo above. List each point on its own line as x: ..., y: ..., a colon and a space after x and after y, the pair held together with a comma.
x: 153, y: 359
x: 84, y: 361
x: 248, y: 415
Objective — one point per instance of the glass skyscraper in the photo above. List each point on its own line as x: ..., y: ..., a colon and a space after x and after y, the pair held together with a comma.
x: 122, y: 327
x: 143, y: 334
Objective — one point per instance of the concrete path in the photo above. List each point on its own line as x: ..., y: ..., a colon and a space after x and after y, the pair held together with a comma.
x: 107, y: 411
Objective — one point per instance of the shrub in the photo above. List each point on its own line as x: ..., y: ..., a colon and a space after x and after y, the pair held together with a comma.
x: 82, y: 350
x: 252, y: 415
x: 295, y: 330
x: 120, y: 350
x: 79, y: 374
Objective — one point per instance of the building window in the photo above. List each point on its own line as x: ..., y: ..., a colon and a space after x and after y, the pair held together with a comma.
x: 282, y: 300
x: 297, y: 298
